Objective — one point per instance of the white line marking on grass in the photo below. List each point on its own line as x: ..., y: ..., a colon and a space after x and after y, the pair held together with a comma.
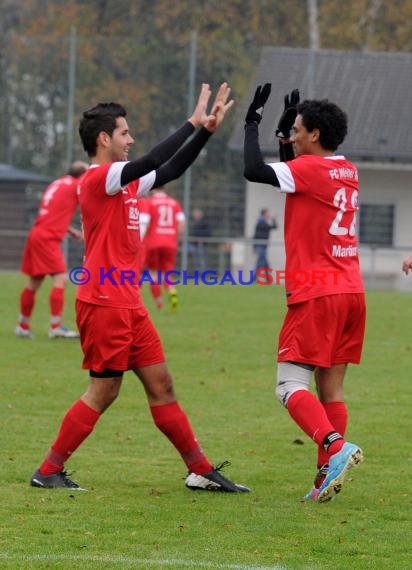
x: 131, y: 560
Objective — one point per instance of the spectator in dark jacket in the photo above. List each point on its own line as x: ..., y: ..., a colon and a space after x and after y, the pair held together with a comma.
x: 200, y: 229
x: 265, y: 223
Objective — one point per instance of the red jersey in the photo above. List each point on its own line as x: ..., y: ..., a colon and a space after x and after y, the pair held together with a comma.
x: 110, y: 218
x: 163, y: 215
x: 320, y: 220
x: 57, y: 207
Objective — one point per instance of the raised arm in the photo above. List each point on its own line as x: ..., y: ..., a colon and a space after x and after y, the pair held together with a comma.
x: 255, y: 168
x: 209, y: 124
x: 285, y: 124
x: 162, y: 152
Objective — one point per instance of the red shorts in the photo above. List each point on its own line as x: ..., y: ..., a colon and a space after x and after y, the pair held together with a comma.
x: 324, y: 331
x: 161, y: 259
x: 119, y: 339
x: 42, y: 256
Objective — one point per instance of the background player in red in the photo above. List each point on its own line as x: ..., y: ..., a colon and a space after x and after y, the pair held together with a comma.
x: 163, y: 222
x: 43, y: 253
x: 115, y: 329
x: 324, y: 326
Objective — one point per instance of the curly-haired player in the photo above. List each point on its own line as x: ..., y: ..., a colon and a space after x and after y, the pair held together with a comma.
x: 324, y: 326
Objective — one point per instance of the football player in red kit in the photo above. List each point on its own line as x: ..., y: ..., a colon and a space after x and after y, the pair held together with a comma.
x: 324, y: 326
x: 43, y: 253
x: 116, y: 331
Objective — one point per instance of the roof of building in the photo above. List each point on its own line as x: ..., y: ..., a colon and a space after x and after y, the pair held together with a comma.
x: 375, y: 90
x: 11, y: 174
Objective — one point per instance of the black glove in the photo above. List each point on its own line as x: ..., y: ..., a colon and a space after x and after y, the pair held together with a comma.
x: 288, y: 116
x: 255, y: 111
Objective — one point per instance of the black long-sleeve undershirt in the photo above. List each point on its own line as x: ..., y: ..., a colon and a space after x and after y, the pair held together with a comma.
x: 182, y: 159
x: 161, y: 153
x: 255, y: 168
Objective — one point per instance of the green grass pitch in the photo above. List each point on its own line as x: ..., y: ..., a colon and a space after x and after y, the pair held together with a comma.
x: 138, y: 514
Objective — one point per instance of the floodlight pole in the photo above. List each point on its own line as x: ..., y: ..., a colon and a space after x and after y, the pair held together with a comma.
x: 188, y: 174
x: 70, y: 114
x: 70, y: 95
x: 313, y: 25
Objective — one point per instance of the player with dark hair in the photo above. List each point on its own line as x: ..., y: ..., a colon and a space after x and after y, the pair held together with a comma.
x: 324, y: 326
x: 43, y: 253
x: 115, y: 329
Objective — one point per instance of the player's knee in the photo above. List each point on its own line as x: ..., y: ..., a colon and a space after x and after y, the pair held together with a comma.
x: 102, y: 390
x: 61, y: 280
x: 168, y: 383
x: 160, y: 388
x: 290, y: 379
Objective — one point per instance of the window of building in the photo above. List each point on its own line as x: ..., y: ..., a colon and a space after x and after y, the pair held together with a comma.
x: 376, y: 224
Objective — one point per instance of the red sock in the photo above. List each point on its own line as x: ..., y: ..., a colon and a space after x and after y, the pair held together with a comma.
x: 27, y: 299
x: 337, y: 413
x: 56, y: 301
x: 310, y: 415
x: 173, y: 422
x: 77, y: 424
x: 155, y: 290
